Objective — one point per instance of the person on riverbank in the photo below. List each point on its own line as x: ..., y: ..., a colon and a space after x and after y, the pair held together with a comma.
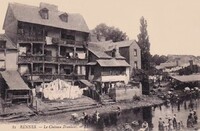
x: 170, y: 124
x: 190, y: 120
x: 195, y: 117
x: 174, y: 121
x: 180, y: 125
x: 85, y: 119
x: 160, y: 125
x: 96, y: 117
x: 145, y: 126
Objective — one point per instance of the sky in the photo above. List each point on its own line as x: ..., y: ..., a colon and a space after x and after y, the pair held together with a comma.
x: 173, y: 25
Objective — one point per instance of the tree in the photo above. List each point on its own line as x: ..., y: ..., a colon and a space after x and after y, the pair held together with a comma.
x: 110, y: 33
x: 157, y: 60
x: 143, y: 42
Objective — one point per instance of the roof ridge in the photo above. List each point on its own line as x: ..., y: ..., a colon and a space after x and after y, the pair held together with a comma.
x: 16, y: 3
x: 10, y: 40
x: 30, y: 14
x: 125, y: 41
x: 34, y: 6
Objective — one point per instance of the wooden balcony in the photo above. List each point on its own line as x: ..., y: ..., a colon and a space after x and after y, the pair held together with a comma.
x: 66, y: 42
x: 3, y: 68
x: 30, y: 59
x: 64, y: 60
x: 50, y: 77
x: 20, y: 96
x: 23, y: 39
x: 50, y: 59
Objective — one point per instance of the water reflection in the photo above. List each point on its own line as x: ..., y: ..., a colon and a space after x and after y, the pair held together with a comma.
x: 118, y: 120
x: 135, y: 117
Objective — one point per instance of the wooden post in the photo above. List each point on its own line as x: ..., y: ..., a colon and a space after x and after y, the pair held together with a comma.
x: 58, y: 50
x: 36, y: 104
x: 31, y: 48
x: 28, y: 98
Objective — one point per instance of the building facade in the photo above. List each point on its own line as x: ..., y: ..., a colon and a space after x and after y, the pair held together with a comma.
x: 8, y: 54
x: 51, y: 44
x: 106, y: 70
x: 128, y: 49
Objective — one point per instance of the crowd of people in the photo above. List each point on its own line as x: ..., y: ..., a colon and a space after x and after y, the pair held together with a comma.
x: 171, y: 123
x: 85, y: 119
x: 192, y: 119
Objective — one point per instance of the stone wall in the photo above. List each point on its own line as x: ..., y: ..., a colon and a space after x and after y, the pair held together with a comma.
x: 125, y: 94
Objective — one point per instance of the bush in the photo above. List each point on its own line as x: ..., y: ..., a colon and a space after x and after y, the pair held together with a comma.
x: 136, y: 98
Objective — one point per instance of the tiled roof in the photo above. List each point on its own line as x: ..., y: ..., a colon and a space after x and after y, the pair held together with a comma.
x: 112, y: 63
x: 167, y: 65
x: 30, y: 14
x: 100, y: 54
x: 86, y: 82
x: 9, y: 43
x: 109, y: 45
x: 14, y: 80
x: 92, y: 63
x: 100, y: 51
x: 187, y: 78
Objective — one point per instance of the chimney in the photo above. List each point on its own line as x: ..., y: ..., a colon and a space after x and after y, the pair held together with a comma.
x: 48, y: 6
x: 114, y: 52
x: 191, y: 62
x: 177, y: 61
x: 102, y: 38
x: 93, y: 37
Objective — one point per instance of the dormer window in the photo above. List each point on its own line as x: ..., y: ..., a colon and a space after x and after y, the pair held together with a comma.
x: 64, y: 17
x: 44, y: 13
x: 2, y: 44
x: 114, y: 52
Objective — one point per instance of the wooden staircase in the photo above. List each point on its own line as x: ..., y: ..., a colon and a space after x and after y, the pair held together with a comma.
x: 16, y: 117
x: 106, y: 100
x: 71, y: 108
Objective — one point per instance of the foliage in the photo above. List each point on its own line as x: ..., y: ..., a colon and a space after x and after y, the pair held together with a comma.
x: 189, y: 70
x: 140, y: 75
x: 143, y: 42
x: 156, y: 59
x: 110, y: 33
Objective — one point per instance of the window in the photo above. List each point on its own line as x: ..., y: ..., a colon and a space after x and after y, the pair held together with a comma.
x: 66, y: 36
x: 92, y: 70
x: 81, y: 70
x: 2, y: 44
x: 64, y: 17
x: 136, y: 64
x: 67, y: 71
x: 2, y: 64
x: 135, y: 52
x: 48, y: 70
x: 44, y: 13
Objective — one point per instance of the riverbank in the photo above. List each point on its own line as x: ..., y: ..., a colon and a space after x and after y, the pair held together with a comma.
x: 65, y: 118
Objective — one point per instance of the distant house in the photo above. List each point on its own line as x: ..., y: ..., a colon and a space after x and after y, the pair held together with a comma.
x: 180, y: 82
x: 8, y: 54
x: 12, y: 86
x: 177, y: 62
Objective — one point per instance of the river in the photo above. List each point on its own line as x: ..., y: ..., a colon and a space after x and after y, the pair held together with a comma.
x: 116, y: 121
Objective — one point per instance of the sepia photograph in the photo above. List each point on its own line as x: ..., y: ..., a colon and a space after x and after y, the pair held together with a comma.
x: 99, y: 65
